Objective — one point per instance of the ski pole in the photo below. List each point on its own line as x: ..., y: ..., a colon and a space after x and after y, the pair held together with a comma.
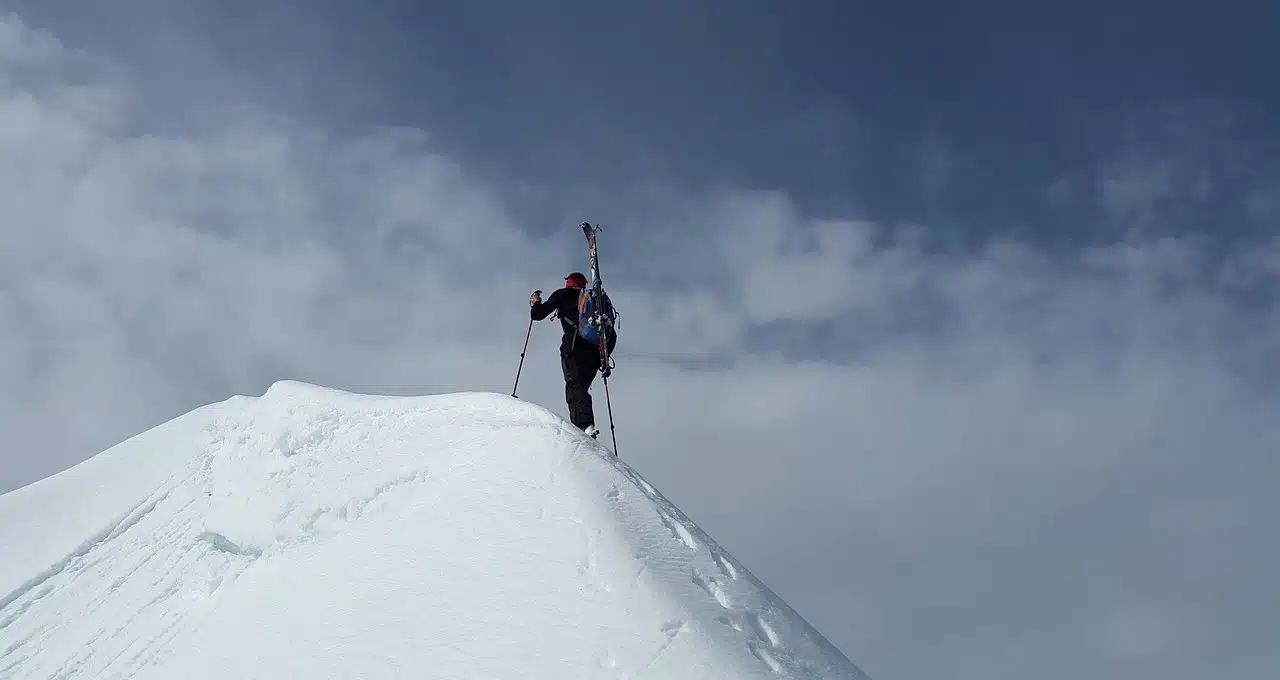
x: 609, y: 404
x: 523, y: 350
x: 522, y: 353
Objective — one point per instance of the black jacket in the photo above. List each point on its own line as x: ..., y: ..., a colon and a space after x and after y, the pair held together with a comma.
x: 565, y: 303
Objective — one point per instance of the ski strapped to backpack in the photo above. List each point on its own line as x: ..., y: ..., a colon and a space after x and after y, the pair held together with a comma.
x: 597, y: 323
x: 597, y: 317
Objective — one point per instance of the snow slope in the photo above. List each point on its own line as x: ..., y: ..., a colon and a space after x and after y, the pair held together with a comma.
x: 311, y: 533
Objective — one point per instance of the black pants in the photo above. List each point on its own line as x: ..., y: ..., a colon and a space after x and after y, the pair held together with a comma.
x: 580, y: 367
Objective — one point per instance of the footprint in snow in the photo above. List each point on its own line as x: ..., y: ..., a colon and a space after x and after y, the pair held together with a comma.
x: 764, y: 655
x: 222, y: 544
x: 732, y: 623
x: 713, y: 588
x: 679, y: 530
x: 725, y: 565
x: 764, y: 629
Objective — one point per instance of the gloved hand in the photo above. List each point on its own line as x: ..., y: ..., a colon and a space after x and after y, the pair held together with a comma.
x: 536, y: 298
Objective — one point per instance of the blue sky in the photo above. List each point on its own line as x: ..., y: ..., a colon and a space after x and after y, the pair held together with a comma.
x: 956, y: 325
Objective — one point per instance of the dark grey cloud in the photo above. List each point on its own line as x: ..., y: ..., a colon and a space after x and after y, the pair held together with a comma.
x: 956, y: 449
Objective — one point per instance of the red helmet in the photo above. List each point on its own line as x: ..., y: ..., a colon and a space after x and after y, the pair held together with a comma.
x: 575, y: 280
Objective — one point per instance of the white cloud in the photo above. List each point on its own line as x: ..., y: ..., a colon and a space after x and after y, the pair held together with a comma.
x: 21, y: 45
x: 1023, y: 437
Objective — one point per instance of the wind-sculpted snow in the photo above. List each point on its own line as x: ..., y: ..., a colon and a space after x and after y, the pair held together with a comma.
x: 316, y: 534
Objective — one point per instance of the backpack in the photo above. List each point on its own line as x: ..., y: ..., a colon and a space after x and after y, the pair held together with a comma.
x: 596, y: 316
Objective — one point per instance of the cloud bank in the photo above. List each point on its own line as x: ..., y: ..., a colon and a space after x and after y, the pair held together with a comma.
x: 1002, y: 460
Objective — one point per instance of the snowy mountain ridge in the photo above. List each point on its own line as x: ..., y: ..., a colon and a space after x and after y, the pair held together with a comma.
x: 322, y: 534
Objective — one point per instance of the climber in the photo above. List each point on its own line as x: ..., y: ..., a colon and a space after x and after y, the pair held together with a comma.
x: 579, y: 358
